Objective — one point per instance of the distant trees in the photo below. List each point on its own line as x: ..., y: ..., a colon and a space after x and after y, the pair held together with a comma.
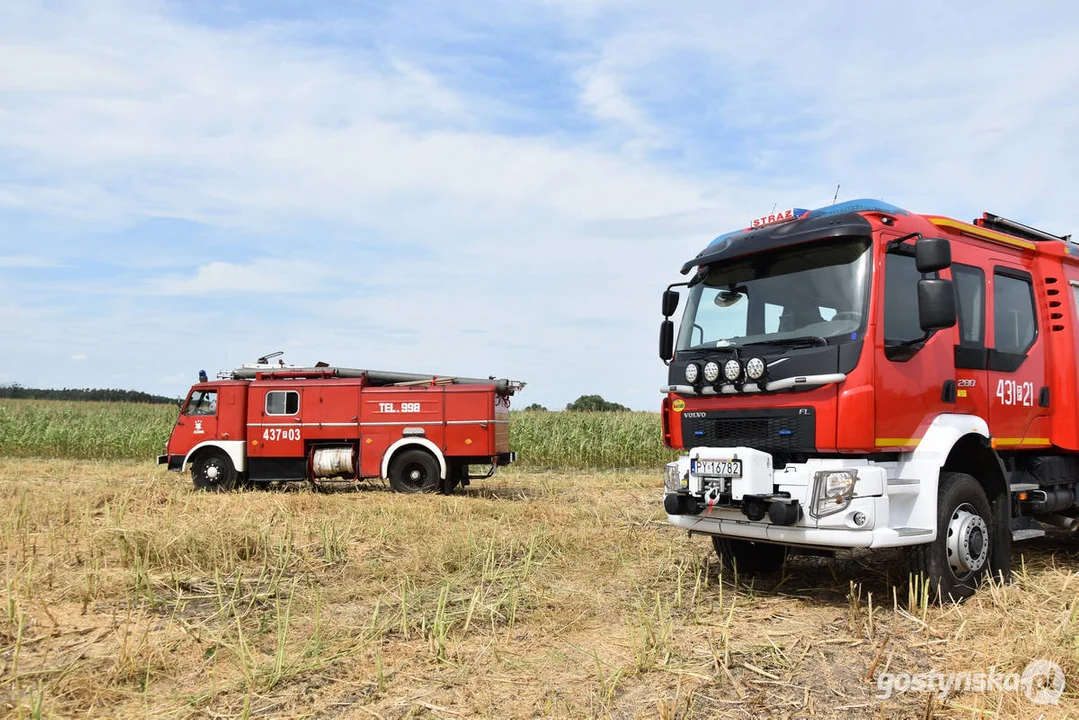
x: 535, y: 407
x: 17, y: 391
x: 593, y: 403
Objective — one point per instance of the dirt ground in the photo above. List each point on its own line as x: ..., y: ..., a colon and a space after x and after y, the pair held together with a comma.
x: 526, y: 595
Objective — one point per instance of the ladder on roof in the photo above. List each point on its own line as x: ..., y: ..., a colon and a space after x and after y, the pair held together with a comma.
x: 1016, y: 229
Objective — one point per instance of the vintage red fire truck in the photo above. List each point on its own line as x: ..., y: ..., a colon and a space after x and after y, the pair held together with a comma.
x: 861, y: 376
x: 266, y: 422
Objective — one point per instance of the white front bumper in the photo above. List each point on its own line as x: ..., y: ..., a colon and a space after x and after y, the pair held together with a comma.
x: 864, y: 522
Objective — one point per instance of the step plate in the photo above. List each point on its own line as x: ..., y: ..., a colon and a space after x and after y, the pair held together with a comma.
x: 1027, y: 534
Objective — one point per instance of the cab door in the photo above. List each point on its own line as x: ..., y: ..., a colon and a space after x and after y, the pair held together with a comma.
x: 1018, y: 396
x: 912, y: 376
x: 197, y: 421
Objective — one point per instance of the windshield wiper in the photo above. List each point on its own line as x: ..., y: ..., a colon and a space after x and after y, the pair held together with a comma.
x: 793, y: 342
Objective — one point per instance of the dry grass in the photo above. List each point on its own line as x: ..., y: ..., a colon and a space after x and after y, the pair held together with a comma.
x: 564, y: 595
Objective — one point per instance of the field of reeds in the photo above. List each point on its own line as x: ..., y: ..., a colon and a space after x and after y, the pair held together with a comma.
x: 116, y: 431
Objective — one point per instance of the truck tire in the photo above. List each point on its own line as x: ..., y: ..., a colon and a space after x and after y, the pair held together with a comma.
x: 454, y: 473
x: 413, y: 471
x: 751, y: 558
x: 957, y: 561
x: 213, y: 471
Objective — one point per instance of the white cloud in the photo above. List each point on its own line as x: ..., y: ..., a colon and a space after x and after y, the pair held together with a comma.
x: 271, y: 277
x: 454, y: 243
x: 25, y: 261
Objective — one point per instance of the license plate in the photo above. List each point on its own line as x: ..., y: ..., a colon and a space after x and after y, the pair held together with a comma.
x: 716, y: 468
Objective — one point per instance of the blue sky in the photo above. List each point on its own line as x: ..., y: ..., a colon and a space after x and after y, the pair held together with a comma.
x: 477, y: 187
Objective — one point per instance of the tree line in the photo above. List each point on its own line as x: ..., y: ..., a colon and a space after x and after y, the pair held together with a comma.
x: 16, y: 391
x: 585, y: 403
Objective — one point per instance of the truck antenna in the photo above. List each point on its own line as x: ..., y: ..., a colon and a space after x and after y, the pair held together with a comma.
x: 836, y: 196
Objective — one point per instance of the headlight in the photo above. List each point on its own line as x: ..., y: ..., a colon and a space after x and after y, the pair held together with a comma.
x: 711, y: 371
x: 755, y: 368
x: 833, y: 490
x: 732, y: 370
x: 673, y: 480
x: 691, y: 372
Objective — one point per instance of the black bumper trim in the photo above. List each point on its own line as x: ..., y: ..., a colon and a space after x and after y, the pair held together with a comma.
x: 175, y: 462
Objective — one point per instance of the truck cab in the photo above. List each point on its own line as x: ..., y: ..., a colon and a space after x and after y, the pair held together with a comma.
x: 864, y: 376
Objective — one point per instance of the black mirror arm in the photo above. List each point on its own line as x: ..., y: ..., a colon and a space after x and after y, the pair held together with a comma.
x: 894, y: 245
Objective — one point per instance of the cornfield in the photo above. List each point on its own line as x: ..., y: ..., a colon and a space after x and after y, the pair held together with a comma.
x: 116, y: 431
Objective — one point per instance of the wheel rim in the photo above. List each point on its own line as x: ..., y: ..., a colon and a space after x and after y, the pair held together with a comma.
x: 414, y: 475
x: 211, y: 472
x: 968, y: 542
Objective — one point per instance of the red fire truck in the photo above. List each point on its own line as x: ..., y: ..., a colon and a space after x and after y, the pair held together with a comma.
x: 266, y: 423
x: 863, y: 376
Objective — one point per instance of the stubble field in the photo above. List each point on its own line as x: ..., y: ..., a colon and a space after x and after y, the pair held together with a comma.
x: 537, y: 593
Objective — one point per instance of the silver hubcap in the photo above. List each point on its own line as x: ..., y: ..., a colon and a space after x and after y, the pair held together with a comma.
x: 415, y: 475
x: 211, y: 472
x: 968, y: 541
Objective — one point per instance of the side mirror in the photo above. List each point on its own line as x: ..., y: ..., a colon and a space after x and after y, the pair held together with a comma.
x: 670, y: 302
x: 936, y: 304
x: 932, y: 254
x: 666, y: 339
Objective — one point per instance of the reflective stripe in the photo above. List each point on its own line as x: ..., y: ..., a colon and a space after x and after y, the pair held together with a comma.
x: 980, y: 232
x: 896, y: 442
x: 477, y: 422
x: 296, y: 424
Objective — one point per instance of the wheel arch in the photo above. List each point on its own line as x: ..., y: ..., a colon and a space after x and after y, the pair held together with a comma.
x: 410, y: 442
x: 233, y: 448
x: 962, y: 444
x: 973, y: 455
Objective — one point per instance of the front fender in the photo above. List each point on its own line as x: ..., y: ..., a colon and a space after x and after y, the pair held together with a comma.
x: 235, y: 449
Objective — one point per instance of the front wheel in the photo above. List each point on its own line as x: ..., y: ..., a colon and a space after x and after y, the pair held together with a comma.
x: 957, y: 561
x: 213, y: 471
x: 415, y: 471
x: 746, y: 556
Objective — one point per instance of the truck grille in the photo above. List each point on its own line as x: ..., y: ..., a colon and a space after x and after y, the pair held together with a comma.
x: 781, y: 431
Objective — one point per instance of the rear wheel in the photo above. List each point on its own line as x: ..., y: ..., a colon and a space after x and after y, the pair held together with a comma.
x: 213, y: 471
x: 415, y: 471
x: 751, y: 558
x: 957, y: 561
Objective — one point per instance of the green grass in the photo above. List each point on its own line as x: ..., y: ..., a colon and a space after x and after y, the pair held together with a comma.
x: 84, y: 430
x: 115, y: 431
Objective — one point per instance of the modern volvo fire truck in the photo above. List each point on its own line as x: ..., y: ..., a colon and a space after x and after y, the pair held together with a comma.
x: 861, y: 376
x: 267, y: 422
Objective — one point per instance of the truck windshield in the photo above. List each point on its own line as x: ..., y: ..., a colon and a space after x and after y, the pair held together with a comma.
x: 815, y: 293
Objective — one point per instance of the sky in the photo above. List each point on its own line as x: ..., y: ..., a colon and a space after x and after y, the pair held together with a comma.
x: 474, y: 188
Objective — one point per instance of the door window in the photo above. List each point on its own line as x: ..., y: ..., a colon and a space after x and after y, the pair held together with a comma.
x: 1014, y: 324
x: 970, y: 289
x: 202, y: 402
x: 282, y: 402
